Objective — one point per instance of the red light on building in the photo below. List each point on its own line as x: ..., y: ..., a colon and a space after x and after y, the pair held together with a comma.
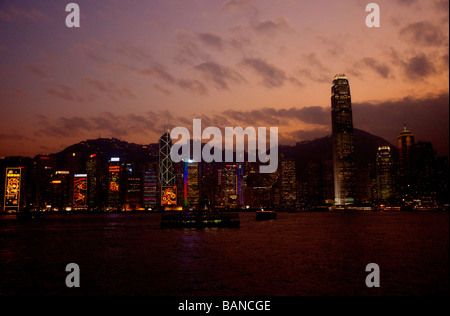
x: 114, y: 169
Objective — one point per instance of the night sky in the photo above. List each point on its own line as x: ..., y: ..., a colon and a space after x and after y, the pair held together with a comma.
x: 136, y: 68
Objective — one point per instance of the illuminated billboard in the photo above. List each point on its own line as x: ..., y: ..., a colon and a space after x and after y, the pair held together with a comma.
x: 168, y: 196
x: 12, y: 189
x: 80, y: 191
x: 114, y: 173
x: 114, y: 186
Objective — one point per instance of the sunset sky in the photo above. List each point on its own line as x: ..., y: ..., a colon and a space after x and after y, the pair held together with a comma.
x: 135, y: 68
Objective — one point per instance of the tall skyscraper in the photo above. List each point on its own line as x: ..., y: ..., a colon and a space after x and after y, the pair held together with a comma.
x: 405, y: 146
x: 166, y: 175
x: 44, y: 168
x: 425, y: 177
x: 150, y: 195
x: 114, y: 183
x: 60, y: 191
x: 240, y: 184
x: 80, y: 192
x: 191, y: 184
x: 288, y: 183
x: 133, y: 193
x: 230, y: 186
x: 385, y: 174
x: 93, y: 170
x: 343, y: 144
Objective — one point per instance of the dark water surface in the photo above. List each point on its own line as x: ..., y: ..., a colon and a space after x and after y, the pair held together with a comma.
x: 296, y: 254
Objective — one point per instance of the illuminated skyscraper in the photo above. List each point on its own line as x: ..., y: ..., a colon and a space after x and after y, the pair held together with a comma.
x: 44, y: 168
x: 385, y: 174
x: 150, y: 196
x: 288, y: 183
x: 240, y: 184
x: 166, y: 175
x: 60, y: 191
x: 191, y: 184
x: 133, y: 193
x: 405, y: 146
x: 343, y: 144
x: 93, y: 171
x: 114, y: 183
x: 230, y: 186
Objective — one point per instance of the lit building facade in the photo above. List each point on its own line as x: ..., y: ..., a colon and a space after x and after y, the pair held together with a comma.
x: 257, y: 192
x: 384, y: 174
x: 133, y: 194
x: 343, y: 142
x: 288, y: 183
x: 93, y: 171
x: 60, y: 191
x: 114, y: 185
x: 169, y: 196
x: 191, y: 184
x: 150, y: 190
x: 80, y: 191
x: 44, y: 168
x: 13, y: 184
x: 230, y: 186
x: 166, y: 174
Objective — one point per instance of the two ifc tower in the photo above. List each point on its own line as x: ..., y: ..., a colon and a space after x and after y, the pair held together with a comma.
x: 343, y: 142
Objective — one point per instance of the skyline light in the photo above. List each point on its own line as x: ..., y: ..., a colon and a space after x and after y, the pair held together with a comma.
x: 132, y: 72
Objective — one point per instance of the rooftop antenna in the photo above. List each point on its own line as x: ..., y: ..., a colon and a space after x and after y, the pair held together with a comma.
x: 166, y: 125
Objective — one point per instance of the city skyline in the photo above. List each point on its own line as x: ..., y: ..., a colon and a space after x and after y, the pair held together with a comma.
x: 130, y: 72
x: 111, y: 175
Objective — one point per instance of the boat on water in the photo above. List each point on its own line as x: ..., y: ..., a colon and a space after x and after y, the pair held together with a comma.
x: 199, y: 219
x: 264, y: 215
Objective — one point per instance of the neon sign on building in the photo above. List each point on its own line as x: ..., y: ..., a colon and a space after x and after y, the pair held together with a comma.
x: 12, y: 189
x: 80, y: 191
x: 168, y: 196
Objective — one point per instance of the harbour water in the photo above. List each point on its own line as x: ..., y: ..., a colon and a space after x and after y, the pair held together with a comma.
x: 297, y: 254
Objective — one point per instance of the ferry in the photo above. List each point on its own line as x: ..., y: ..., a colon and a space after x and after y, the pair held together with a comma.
x: 264, y: 215
x: 199, y: 219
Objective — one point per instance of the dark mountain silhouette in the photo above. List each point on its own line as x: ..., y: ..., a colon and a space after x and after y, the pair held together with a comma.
x: 366, y: 146
x: 109, y: 147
